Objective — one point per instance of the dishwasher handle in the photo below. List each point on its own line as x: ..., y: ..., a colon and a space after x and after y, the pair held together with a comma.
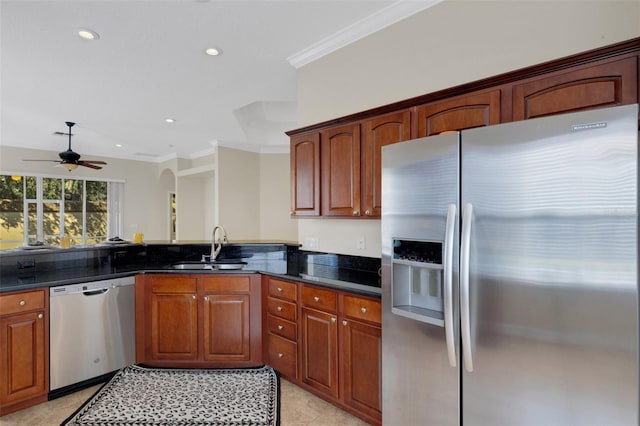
x: 95, y: 292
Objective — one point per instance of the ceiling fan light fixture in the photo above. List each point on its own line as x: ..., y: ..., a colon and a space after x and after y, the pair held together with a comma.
x: 70, y: 166
x: 88, y: 34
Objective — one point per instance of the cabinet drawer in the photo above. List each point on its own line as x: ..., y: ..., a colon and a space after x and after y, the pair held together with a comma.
x: 283, y: 356
x: 282, y: 309
x: 283, y: 289
x: 319, y: 298
x: 239, y: 283
x: 21, y: 302
x: 281, y: 327
x: 361, y: 308
x: 172, y: 284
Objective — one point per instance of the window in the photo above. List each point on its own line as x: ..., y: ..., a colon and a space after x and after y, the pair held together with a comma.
x: 34, y: 208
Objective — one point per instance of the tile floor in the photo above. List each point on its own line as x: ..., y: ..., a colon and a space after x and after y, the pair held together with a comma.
x: 297, y: 408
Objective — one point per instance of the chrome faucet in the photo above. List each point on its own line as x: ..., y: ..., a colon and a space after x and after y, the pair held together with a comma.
x: 216, y: 247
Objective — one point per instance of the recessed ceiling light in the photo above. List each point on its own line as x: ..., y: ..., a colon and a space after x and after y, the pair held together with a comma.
x: 170, y: 120
x: 118, y: 145
x: 212, y: 51
x: 88, y: 34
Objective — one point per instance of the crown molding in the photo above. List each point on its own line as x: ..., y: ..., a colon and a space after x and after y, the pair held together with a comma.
x: 377, y: 21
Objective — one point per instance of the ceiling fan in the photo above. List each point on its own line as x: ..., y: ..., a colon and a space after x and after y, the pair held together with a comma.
x: 70, y: 159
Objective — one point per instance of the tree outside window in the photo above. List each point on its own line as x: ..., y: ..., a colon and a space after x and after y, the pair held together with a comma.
x: 44, y: 209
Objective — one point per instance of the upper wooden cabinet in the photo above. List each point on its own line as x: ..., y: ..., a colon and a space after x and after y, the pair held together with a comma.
x: 342, y: 177
x: 340, y: 165
x: 459, y: 113
x: 606, y: 84
x: 376, y: 133
x: 305, y: 174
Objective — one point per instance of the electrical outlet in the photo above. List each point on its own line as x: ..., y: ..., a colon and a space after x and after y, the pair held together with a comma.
x: 361, y: 243
x: 311, y: 243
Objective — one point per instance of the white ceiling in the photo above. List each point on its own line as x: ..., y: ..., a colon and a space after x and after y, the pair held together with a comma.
x: 149, y: 65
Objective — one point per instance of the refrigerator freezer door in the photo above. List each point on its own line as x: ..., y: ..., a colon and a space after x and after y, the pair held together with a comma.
x: 420, y: 181
x: 553, y: 269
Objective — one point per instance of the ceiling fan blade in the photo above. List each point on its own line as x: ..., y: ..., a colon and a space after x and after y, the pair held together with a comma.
x: 93, y: 161
x: 54, y: 161
x: 91, y: 166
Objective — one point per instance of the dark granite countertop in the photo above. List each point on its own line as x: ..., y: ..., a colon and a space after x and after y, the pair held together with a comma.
x: 29, y: 269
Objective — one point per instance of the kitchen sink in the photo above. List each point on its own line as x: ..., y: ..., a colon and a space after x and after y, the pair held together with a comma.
x: 216, y: 264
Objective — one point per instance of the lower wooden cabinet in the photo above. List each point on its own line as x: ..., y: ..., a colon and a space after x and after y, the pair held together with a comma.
x: 361, y: 351
x: 320, y: 351
x: 198, y: 320
x: 24, y: 351
x: 326, y: 341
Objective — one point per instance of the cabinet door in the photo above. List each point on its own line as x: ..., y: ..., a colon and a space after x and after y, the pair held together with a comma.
x: 320, y: 351
x: 362, y: 348
x: 226, y: 330
x: 173, y: 318
x: 22, y: 357
x: 459, y: 113
x: 305, y: 175
x: 376, y: 133
x: 340, y: 161
x: 603, y: 85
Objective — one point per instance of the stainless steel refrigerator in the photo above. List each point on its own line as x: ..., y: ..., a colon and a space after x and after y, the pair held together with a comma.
x: 510, y: 274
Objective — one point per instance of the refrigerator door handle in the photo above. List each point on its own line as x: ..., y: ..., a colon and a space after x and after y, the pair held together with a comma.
x: 448, y: 283
x: 465, y: 321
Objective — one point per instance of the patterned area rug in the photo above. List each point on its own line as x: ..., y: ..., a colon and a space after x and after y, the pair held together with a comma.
x: 158, y: 396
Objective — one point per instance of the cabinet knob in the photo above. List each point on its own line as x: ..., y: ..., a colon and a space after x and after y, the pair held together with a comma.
x: 367, y: 212
x: 363, y: 310
x: 279, y: 308
x: 344, y: 322
x: 40, y: 316
x: 206, y: 298
x: 280, y: 355
x: 22, y: 303
x: 333, y: 319
x: 356, y: 213
x: 316, y: 299
x: 193, y: 297
x: 279, y: 289
x: 292, y: 213
x: 280, y: 327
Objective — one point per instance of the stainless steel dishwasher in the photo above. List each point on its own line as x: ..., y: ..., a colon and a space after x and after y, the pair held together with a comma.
x: 92, y: 332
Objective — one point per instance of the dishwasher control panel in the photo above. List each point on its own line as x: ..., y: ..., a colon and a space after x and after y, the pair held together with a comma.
x: 90, y: 286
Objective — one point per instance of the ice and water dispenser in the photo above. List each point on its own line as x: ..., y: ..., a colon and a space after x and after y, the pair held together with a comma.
x: 416, y: 280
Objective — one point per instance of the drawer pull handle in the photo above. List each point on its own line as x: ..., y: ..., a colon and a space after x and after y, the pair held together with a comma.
x: 316, y: 299
x: 363, y: 310
x: 279, y: 308
x: 22, y: 303
x: 40, y: 316
x: 280, y: 355
x: 279, y: 289
x: 280, y: 327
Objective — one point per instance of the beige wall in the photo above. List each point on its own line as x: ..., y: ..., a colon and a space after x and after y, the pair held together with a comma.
x: 451, y: 43
x: 144, y: 196
x: 275, y: 221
